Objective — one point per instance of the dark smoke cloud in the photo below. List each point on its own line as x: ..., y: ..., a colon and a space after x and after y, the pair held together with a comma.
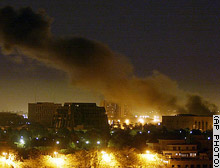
x: 197, y: 105
x: 90, y: 64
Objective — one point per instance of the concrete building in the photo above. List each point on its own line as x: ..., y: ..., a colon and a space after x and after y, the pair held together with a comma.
x: 113, y: 110
x: 182, y: 121
x: 180, y: 151
x: 11, y: 119
x: 42, y: 112
x: 197, y: 162
x: 116, y: 111
x: 162, y: 144
x: 180, y: 154
x: 80, y: 116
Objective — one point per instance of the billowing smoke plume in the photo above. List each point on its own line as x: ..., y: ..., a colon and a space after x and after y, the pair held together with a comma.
x: 90, y: 64
x: 198, y: 105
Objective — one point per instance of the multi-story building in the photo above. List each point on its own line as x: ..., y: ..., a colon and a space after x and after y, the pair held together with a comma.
x: 11, y: 119
x: 116, y: 111
x: 162, y: 144
x: 126, y: 110
x: 180, y: 150
x: 180, y: 154
x: 42, y: 112
x: 80, y: 115
x: 113, y: 110
x: 183, y: 121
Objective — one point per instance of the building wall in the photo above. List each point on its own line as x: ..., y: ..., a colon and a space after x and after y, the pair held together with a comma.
x: 192, y: 122
x: 113, y: 110
x: 164, y: 142
x: 116, y: 110
x: 187, y: 163
x: 42, y: 112
x: 88, y: 115
x: 179, y: 154
x: 182, y: 147
x: 11, y: 119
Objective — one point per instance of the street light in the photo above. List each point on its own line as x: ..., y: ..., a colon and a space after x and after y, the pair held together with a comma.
x: 22, y: 142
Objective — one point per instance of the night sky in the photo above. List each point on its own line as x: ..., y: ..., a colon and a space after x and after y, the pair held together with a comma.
x: 180, y: 39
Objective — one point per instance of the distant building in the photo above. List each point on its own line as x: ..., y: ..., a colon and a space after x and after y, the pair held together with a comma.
x: 202, y: 123
x: 42, y: 112
x: 112, y: 109
x: 116, y: 110
x: 80, y: 115
x: 11, y: 119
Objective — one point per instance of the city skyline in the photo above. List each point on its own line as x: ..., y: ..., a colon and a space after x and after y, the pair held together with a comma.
x: 178, y: 39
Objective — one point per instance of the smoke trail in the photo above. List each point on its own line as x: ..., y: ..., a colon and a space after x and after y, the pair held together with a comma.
x: 90, y: 64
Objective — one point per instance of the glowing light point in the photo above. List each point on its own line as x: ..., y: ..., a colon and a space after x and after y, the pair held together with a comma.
x: 87, y: 142
x: 98, y: 142
x: 4, y: 153
x: 57, y: 142
x: 127, y: 121
x: 22, y: 141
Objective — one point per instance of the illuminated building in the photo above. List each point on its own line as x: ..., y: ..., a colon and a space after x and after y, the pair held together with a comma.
x: 42, y: 112
x: 180, y: 150
x: 80, y: 115
x: 181, y: 154
x: 202, y: 123
x: 112, y: 109
x: 116, y: 110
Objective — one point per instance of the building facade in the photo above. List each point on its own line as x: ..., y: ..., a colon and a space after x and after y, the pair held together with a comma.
x: 180, y: 154
x: 116, y: 111
x: 42, y: 112
x: 113, y: 110
x: 11, y: 119
x: 202, y: 123
x: 80, y: 116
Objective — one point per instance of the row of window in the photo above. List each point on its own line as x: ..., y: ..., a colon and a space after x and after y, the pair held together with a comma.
x: 194, y: 166
x: 187, y: 148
